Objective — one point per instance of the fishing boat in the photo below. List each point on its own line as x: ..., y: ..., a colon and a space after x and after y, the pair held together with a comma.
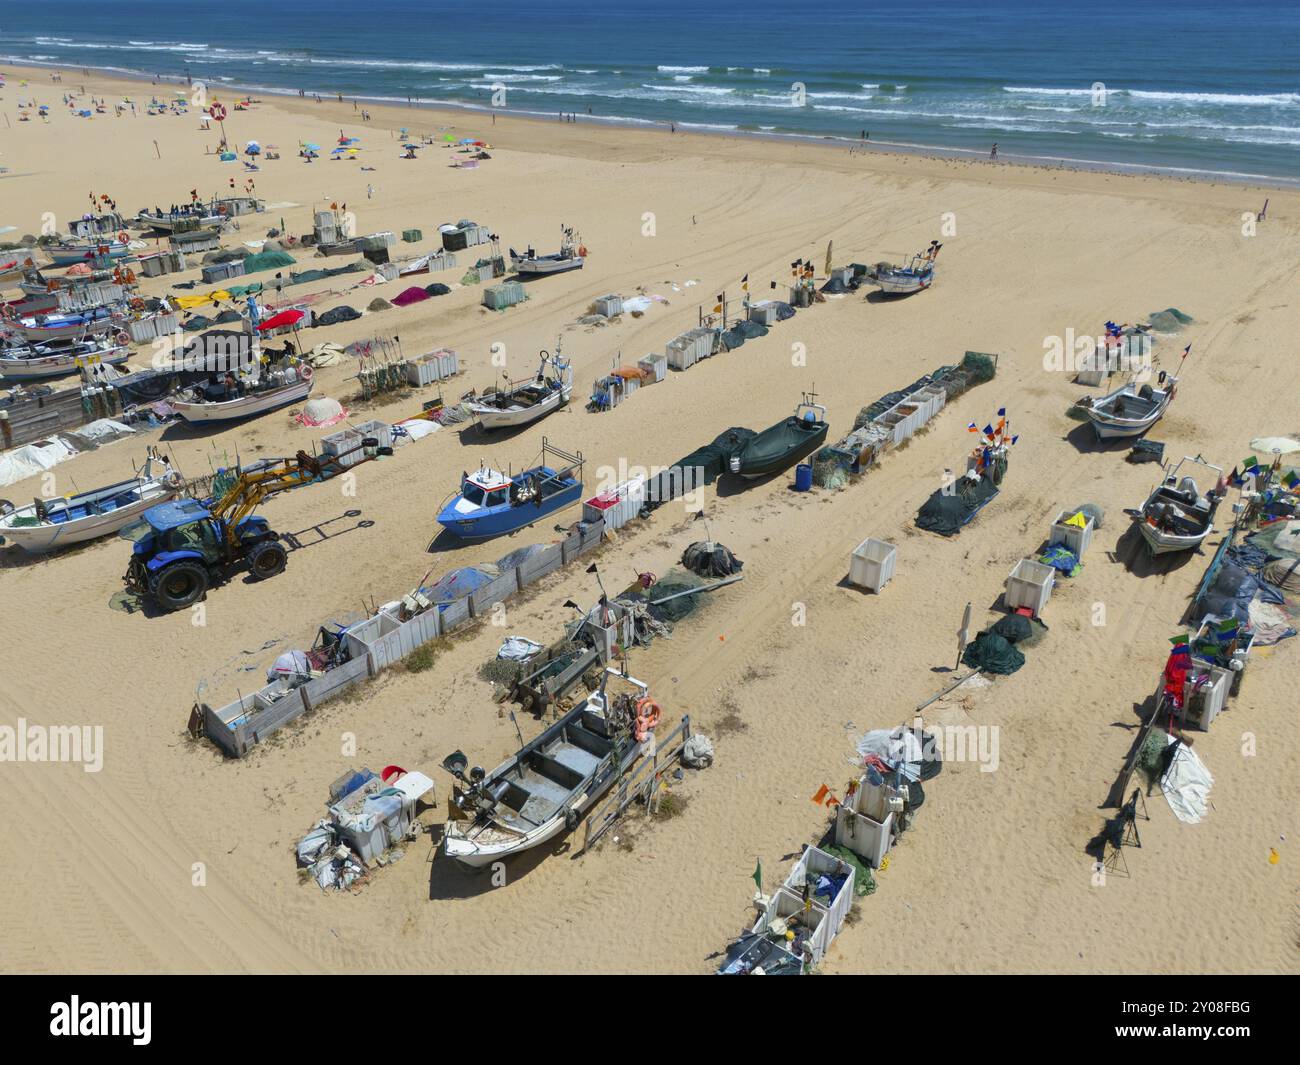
x: 904, y: 280
x: 548, y: 786
x: 1177, y: 516
x: 31, y: 362
x: 492, y: 503
x: 789, y: 440
x: 74, y: 252
x: 49, y: 524
x: 523, y: 402
x: 14, y: 266
x: 80, y: 324
x: 181, y: 221
x: 571, y: 256
x: 218, y: 400
x: 1131, y: 410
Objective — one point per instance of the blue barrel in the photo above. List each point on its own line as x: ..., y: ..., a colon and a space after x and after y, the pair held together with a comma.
x: 803, y: 477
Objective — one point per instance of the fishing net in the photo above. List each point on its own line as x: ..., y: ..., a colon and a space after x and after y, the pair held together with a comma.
x: 979, y: 366
x: 705, y: 558
x: 414, y: 294
x: 946, y: 512
x: 864, y: 883
x: 437, y: 289
x: 379, y: 304
x: 675, y: 609
x: 267, y: 260
x: 1170, y: 320
x: 990, y: 653
x: 1152, y: 754
x: 336, y: 315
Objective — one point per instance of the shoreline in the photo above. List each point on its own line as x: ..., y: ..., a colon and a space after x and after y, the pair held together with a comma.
x: 853, y: 144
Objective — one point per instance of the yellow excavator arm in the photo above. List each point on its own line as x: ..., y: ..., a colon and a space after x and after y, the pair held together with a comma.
x: 252, y: 487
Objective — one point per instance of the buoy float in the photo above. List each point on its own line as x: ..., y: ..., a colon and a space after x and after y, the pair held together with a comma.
x: 647, y: 717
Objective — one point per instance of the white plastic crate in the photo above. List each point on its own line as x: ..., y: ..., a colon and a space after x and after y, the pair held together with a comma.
x: 1071, y: 536
x: 872, y: 564
x: 432, y: 366
x: 609, y: 306
x: 1205, y: 693
x: 791, y: 908
x: 763, y: 313
x: 655, y: 365
x: 1030, y: 584
x: 815, y: 862
x: 618, y: 505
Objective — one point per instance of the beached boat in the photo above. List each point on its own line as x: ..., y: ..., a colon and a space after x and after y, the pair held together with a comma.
x: 789, y: 440
x: 571, y: 256
x: 550, y: 784
x: 33, y: 362
x: 1131, y: 410
x: 180, y: 221
x: 43, y: 327
x: 15, y: 265
x: 904, y: 280
x: 84, y: 251
x: 492, y: 503
x: 1177, y: 516
x: 216, y: 401
x: 523, y: 402
x: 49, y: 524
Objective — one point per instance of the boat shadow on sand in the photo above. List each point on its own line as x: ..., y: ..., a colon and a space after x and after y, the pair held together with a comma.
x: 449, y: 879
x: 1083, y: 438
x: 1131, y: 552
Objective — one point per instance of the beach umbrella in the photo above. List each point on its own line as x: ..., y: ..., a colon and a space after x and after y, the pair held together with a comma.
x: 312, y: 147
x: 291, y: 317
x: 449, y: 138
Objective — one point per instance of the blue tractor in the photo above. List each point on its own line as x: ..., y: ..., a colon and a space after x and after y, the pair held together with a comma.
x: 182, y: 548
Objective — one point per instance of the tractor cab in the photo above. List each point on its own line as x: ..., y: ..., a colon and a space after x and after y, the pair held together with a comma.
x: 181, y: 548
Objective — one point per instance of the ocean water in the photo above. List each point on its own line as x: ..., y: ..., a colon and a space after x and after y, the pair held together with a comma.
x: 1187, y: 86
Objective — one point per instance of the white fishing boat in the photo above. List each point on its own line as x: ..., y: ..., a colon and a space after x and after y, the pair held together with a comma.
x: 551, y: 783
x: 34, y: 362
x: 571, y: 256
x: 44, y: 327
x: 50, y: 524
x: 1131, y: 410
x: 217, y: 401
x: 1177, y: 515
x: 85, y: 251
x: 181, y: 221
x: 14, y: 265
x: 904, y: 280
x: 523, y: 402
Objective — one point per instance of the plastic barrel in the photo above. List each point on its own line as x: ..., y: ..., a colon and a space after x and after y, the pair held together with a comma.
x: 803, y: 477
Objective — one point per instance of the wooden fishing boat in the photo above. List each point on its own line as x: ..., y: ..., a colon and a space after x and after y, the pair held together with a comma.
x: 50, y: 524
x: 492, y: 503
x: 1177, y: 515
x: 72, y: 253
x: 523, y: 402
x: 550, y: 784
x: 44, y: 327
x: 571, y: 256
x: 14, y: 266
x: 215, y: 401
x: 1131, y: 410
x: 181, y: 221
x: 34, y: 362
x: 780, y: 445
x: 904, y: 280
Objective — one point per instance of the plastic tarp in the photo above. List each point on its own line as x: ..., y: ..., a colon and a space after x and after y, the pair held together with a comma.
x: 946, y: 512
x: 1186, y: 785
x: 267, y: 260
x: 456, y: 584
x: 414, y: 294
x: 31, y: 459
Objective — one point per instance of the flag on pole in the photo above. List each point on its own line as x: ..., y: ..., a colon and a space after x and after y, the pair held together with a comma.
x: 758, y: 875
x: 717, y: 309
x: 972, y: 428
x: 744, y: 283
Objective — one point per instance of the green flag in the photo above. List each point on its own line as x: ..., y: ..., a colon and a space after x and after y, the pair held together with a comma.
x: 758, y: 874
x: 1178, y: 641
x: 1249, y: 462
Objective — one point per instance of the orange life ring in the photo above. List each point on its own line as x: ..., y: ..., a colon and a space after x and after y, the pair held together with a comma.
x: 582, y: 250
x: 304, y: 372
x: 647, y: 717
x: 124, y: 237
x: 124, y: 337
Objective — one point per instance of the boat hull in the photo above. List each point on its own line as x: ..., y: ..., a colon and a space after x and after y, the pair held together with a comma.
x: 768, y: 465
x: 1164, y: 543
x: 545, y: 267
x: 507, y: 520
x: 1108, y: 427
x: 900, y: 285
x: 490, y: 418
x: 243, y: 407
x: 46, y: 366
x: 70, y: 256
x: 52, y: 536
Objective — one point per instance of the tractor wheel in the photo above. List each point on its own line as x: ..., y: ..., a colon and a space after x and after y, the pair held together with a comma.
x: 179, y: 585
x: 266, y: 560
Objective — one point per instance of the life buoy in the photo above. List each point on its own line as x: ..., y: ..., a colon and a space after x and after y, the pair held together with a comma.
x: 582, y: 250
x: 647, y: 717
x: 124, y: 337
x: 305, y: 372
x: 124, y: 237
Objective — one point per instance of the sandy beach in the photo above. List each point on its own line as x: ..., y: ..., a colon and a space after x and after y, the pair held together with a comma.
x: 174, y: 859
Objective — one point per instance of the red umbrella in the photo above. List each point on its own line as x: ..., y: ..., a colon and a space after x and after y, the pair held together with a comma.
x: 289, y: 317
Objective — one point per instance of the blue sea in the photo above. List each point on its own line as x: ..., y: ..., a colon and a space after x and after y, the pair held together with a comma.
x: 1185, y: 86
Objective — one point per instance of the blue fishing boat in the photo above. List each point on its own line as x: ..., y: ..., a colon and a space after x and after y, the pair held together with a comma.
x: 492, y: 503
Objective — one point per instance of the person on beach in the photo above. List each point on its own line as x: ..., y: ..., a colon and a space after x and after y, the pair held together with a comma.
x: 994, y: 153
